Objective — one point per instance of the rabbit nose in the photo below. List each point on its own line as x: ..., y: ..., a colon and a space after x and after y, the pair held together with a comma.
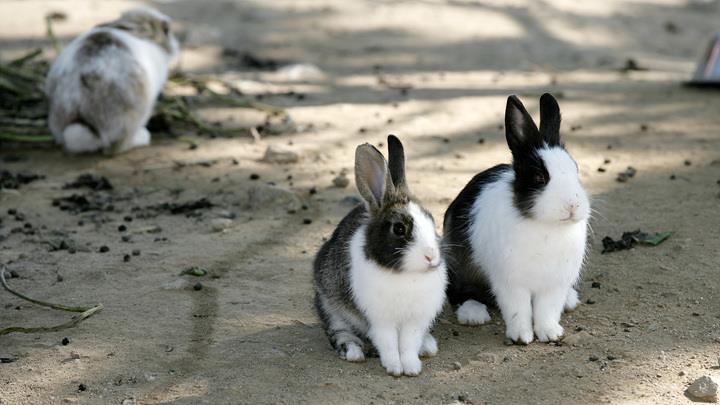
x: 428, y: 258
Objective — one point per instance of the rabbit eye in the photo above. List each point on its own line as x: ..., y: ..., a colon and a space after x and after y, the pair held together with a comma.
x: 398, y: 229
x: 540, y: 179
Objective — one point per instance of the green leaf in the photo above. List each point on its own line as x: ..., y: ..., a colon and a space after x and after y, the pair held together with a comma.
x: 656, y: 239
x: 194, y: 271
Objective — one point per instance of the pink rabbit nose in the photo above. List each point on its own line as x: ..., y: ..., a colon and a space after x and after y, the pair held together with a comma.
x: 428, y: 258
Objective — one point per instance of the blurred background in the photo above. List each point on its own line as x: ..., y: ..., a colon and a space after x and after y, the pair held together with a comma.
x: 250, y: 169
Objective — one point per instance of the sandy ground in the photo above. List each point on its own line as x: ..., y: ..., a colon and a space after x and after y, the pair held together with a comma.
x: 250, y: 335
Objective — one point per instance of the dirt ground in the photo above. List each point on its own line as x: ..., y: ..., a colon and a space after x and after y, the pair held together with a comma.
x: 436, y: 73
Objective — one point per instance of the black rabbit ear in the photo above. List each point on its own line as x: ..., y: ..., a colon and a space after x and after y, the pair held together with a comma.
x: 550, y: 119
x: 371, y: 175
x: 520, y: 130
x: 396, y: 163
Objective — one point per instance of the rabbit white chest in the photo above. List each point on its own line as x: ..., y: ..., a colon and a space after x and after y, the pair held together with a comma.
x: 389, y: 297
x: 511, y: 249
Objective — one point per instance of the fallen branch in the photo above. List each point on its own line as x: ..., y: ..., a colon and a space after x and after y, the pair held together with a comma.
x: 85, y: 312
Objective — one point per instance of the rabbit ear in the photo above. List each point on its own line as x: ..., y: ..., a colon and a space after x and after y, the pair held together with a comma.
x: 550, y: 119
x: 520, y: 130
x: 371, y: 175
x: 396, y: 163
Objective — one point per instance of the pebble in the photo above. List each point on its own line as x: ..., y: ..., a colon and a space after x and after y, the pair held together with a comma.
x: 221, y: 224
x: 198, y: 286
x: 263, y: 196
x: 456, y: 366
x: 307, y: 221
x: 126, y: 258
x: 704, y: 388
x: 136, y: 252
x: 276, y: 154
x: 125, y: 238
x: 595, y: 284
x: 14, y: 274
x: 122, y: 228
x: 577, y: 339
x: 593, y: 358
x: 341, y: 181
x: 104, y: 249
x: 254, y: 176
x: 65, y: 341
x: 82, y: 387
x: 60, y: 278
x: 487, y: 357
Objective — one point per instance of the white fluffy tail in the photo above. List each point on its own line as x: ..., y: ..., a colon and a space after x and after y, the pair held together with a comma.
x: 78, y: 138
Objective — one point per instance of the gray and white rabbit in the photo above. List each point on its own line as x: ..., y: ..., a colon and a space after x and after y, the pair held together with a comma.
x: 381, y: 278
x: 516, y: 234
x: 103, y: 86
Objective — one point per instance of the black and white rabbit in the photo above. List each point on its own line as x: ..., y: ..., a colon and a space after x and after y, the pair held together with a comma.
x: 516, y: 234
x: 380, y: 278
x: 103, y: 86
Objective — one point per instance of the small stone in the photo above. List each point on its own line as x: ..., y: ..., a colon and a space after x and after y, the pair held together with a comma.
x: 577, y: 339
x: 60, y: 278
x: 590, y: 301
x: 313, y: 190
x: 673, y: 177
x: 14, y: 274
x: 341, y: 181
x: 126, y: 258
x: 593, y: 358
x: 276, y: 154
x: 122, y: 228
x: 601, y: 169
x: 611, y: 357
x: 595, y: 284
x: 687, y: 162
x: 65, y: 341
x: 254, y: 176
x: 127, y: 218
x: 606, y: 161
x: 264, y: 196
x: 82, y: 387
x: 704, y: 389
x: 481, y: 140
x: 456, y: 366
x: 221, y: 224
x: 198, y: 286
x: 104, y: 249
x: 125, y: 238
x: 455, y: 333
x: 487, y: 358
x: 136, y: 252
x: 307, y: 221
x: 681, y: 373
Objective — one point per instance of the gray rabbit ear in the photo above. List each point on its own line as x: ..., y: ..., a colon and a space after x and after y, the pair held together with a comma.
x: 550, y: 119
x: 396, y: 163
x: 371, y: 175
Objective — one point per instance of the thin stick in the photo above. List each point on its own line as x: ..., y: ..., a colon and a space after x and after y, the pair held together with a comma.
x: 38, y: 302
x: 23, y: 138
x: 51, y: 35
x: 43, y: 329
x: 85, y: 312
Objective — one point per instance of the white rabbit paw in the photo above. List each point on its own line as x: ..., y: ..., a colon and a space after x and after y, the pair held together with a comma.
x: 429, y: 346
x: 472, y: 312
x: 393, y: 367
x: 411, y: 365
x: 572, y: 301
x: 549, y: 332
x: 519, y: 334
